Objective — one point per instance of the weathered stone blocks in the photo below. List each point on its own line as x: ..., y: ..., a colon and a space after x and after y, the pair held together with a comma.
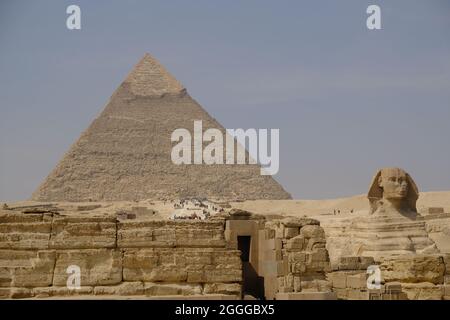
x: 157, y: 233
x: 222, y: 288
x: 312, y: 231
x: 423, y: 291
x: 150, y: 257
x: 26, y: 268
x: 98, y: 266
x: 302, y: 262
x: 171, y: 289
x: 414, y: 269
x: 122, y: 289
x: 34, y: 235
x: 355, y: 263
x: 182, y: 265
x: 83, y: 232
x: 50, y: 292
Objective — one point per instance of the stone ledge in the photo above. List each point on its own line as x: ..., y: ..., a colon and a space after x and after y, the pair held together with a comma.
x: 306, y: 296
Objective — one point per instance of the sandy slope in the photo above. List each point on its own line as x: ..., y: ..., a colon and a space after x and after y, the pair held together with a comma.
x: 345, y: 205
x: 359, y: 204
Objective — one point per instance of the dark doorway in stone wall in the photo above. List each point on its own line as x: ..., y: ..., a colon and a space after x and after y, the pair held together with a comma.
x: 253, y: 285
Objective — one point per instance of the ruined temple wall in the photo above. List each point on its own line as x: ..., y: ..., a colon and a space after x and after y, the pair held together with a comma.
x: 294, y: 260
x: 116, y: 258
x: 413, y: 277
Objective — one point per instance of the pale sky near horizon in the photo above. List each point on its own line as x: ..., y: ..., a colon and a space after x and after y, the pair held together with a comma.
x: 347, y: 100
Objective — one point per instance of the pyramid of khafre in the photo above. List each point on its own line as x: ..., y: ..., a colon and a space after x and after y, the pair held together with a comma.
x: 125, y: 154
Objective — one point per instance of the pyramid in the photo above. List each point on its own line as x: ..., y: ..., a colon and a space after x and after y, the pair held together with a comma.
x: 125, y: 154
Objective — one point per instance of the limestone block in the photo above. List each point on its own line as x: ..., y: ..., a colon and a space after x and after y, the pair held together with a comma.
x: 98, y: 266
x: 446, y: 258
x: 229, y: 259
x: 296, y: 222
x: 341, y: 293
x: 393, y: 287
x: 15, y: 217
x: 296, y: 243
x: 222, y: 288
x: 319, y: 255
x: 235, y: 228
x: 285, y: 289
x: 395, y: 296
x: 297, y: 267
x: 137, y: 263
x: 338, y: 279
x: 272, y: 255
x: 306, y: 296
x: 423, y: 291
x: 279, y: 232
x: 88, y: 207
x: 312, y: 231
x: 163, y: 289
x: 5, y: 292
x: 414, y: 269
x: 349, y: 263
x: 320, y: 266
x: 178, y: 265
x: 289, y: 280
x: 295, y: 257
x: 357, y: 281
x: 157, y: 233
x: 195, y: 259
x: 314, y: 285
x: 315, y: 243
x: 271, y: 244
x: 20, y: 293
x: 355, y: 263
x: 281, y: 281
x: 290, y: 232
x: 31, y: 235
x: 435, y: 210
x: 83, y: 232
x: 26, y: 268
x: 123, y: 289
x: 446, y: 290
x: 270, y: 234
x: 270, y: 287
x: 199, y: 234
x: 297, y: 283
x: 49, y: 292
x: 357, y: 294
x: 223, y: 275
x: 135, y: 234
x: 166, y: 274
x: 275, y: 268
x: 153, y: 265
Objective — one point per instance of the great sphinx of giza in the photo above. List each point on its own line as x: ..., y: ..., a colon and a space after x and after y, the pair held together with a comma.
x: 393, y: 191
x: 393, y: 227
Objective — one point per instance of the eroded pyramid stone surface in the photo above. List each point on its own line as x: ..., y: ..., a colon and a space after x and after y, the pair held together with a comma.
x: 125, y: 154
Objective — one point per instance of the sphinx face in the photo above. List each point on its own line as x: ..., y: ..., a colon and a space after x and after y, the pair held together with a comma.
x: 394, y: 183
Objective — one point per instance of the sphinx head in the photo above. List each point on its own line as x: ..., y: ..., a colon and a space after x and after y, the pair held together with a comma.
x: 393, y: 188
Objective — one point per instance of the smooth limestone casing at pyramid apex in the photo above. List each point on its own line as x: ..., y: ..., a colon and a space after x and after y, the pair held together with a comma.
x: 115, y: 207
x: 125, y: 154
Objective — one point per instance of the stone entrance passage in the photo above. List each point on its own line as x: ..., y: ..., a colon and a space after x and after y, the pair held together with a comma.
x: 241, y: 233
x: 248, y: 272
x: 244, y: 247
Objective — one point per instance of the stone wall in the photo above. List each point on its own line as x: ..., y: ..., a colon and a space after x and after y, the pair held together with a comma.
x: 294, y: 260
x: 412, y: 277
x: 116, y: 258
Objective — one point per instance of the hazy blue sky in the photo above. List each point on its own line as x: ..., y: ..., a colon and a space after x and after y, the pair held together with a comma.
x: 347, y: 100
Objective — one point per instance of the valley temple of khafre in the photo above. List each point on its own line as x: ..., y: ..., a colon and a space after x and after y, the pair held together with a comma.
x: 117, y: 213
